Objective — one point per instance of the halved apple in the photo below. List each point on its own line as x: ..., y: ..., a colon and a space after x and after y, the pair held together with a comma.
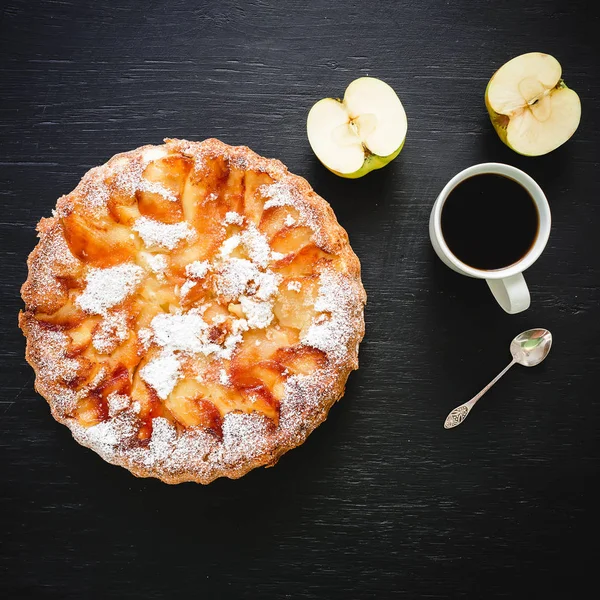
x: 363, y: 132
x: 531, y: 108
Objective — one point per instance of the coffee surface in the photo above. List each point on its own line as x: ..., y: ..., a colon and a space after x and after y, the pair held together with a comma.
x: 489, y: 221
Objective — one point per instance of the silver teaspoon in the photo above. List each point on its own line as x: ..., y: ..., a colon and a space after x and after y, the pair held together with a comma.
x: 529, y: 349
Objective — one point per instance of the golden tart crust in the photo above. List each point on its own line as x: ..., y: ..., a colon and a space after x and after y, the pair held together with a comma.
x: 193, y: 310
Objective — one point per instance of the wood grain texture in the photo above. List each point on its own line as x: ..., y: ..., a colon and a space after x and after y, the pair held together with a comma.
x: 381, y: 501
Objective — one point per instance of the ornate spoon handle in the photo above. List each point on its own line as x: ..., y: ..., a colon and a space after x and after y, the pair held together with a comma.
x: 459, y: 414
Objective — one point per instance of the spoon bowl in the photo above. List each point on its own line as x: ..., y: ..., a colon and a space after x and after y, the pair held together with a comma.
x: 531, y: 347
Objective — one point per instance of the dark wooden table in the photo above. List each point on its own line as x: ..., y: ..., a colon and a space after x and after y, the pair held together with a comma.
x: 381, y: 501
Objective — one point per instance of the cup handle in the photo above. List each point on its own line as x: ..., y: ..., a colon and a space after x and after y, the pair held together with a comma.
x: 511, y: 293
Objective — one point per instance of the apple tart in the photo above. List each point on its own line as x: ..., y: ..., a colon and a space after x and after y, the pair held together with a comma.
x: 193, y: 311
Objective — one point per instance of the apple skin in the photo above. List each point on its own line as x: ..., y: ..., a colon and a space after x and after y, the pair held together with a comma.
x: 372, y: 163
x: 500, y: 121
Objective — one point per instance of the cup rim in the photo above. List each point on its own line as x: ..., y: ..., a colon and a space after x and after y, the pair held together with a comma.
x: 536, y: 193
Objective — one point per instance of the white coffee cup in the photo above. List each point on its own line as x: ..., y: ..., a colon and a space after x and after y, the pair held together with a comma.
x: 508, y: 284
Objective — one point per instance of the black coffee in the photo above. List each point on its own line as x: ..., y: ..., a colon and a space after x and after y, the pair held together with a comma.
x: 489, y: 221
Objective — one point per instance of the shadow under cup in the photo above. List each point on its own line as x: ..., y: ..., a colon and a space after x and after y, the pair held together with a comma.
x: 492, y: 221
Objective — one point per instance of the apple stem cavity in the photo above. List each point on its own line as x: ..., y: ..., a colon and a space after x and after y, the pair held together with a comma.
x: 365, y: 125
x: 345, y: 134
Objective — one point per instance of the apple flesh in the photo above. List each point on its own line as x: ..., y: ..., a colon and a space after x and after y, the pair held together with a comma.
x: 530, y: 107
x: 362, y: 132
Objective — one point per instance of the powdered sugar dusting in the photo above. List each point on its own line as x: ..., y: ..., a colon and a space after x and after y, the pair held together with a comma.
x: 244, y: 435
x: 108, y: 437
x: 283, y: 193
x: 303, y: 394
x: 102, y: 437
x: 162, y: 373
x: 64, y: 400
x: 256, y: 245
x: 197, y: 269
x: 187, y: 287
x: 157, y: 188
x: 234, y: 218
x: 164, y: 438
x: 108, y: 287
x: 94, y: 189
x: 224, y: 377
x: 158, y: 263
x: 234, y: 276
x: 145, y: 337
x: 113, y: 330
x: 126, y: 173
x: 238, y: 276
x: 266, y: 284
x: 339, y: 305
x: 53, y: 259
x: 117, y: 403
x: 185, y: 332
x: 162, y: 235
x: 51, y: 348
x: 258, y: 314
x: 229, y: 245
x: 279, y: 193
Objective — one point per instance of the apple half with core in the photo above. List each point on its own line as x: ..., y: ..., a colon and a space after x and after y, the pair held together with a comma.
x: 531, y: 108
x: 362, y: 132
